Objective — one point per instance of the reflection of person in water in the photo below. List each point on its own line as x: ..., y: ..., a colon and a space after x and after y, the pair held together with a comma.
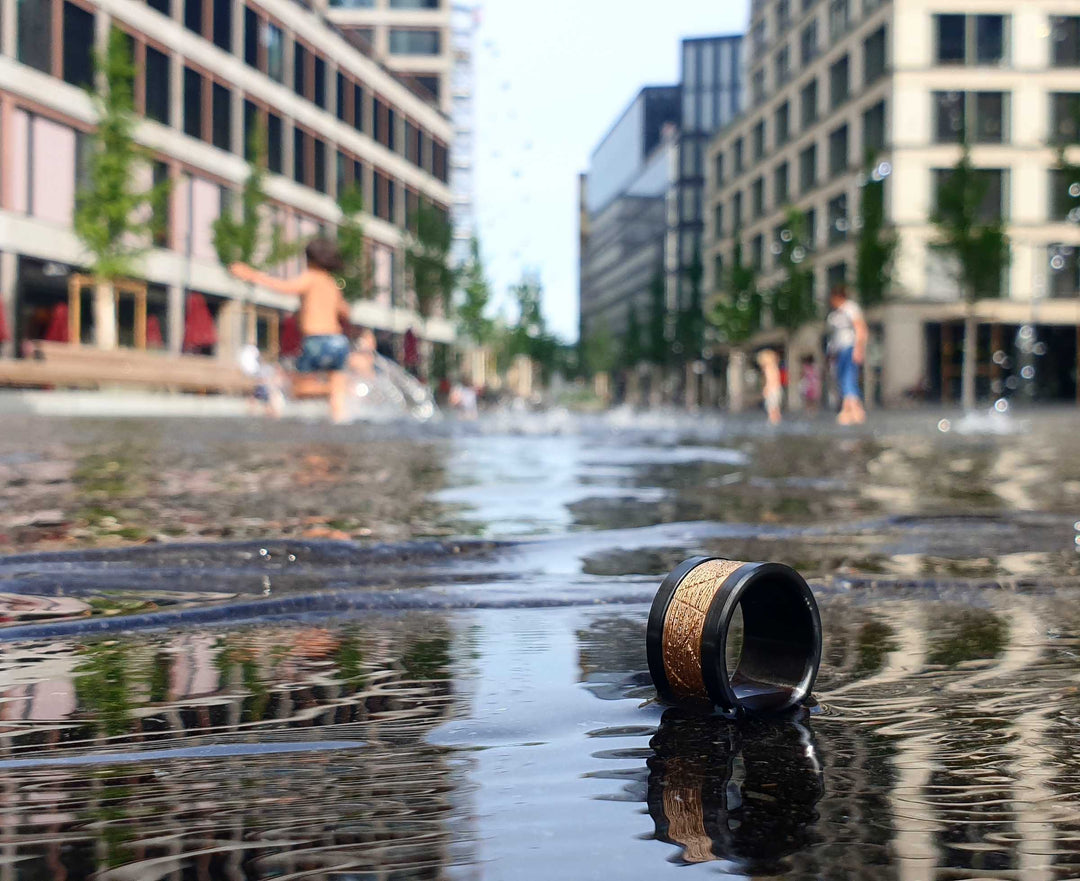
x: 743, y: 791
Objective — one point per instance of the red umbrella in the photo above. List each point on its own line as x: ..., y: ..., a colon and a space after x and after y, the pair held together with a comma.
x: 290, y: 337
x: 154, y: 339
x: 58, y: 331
x: 4, y: 335
x: 199, y: 329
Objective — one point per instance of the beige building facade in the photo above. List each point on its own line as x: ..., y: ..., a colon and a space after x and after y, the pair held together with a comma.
x: 834, y: 82
x: 413, y: 38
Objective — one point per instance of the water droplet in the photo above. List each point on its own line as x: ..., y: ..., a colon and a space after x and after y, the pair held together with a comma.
x: 292, y: 558
x: 777, y: 248
x: 999, y: 357
x: 1039, y: 349
x: 1012, y: 383
x: 1001, y: 405
x: 1028, y: 372
x: 1057, y: 263
x: 266, y: 585
x: 1074, y: 190
x: 263, y: 552
x: 798, y: 254
x: 785, y: 235
x: 944, y: 425
x: 884, y: 169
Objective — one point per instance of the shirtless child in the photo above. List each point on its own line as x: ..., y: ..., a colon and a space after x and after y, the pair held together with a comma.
x: 322, y: 310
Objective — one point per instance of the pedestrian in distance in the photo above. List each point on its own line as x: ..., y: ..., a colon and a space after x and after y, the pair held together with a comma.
x: 848, y: 335
x: 773, y: 386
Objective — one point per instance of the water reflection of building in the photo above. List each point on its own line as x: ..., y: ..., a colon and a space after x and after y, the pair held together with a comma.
x: 946, y: 747
x: 383, y: 807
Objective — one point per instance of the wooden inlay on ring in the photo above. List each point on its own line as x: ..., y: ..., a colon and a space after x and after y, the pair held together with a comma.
x: 684, y: 626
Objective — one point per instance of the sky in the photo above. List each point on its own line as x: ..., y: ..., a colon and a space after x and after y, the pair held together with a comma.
x: 551, y: 79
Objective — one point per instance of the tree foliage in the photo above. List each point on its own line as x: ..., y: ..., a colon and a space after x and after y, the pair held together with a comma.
x: 877, y: 244
x: 530, y: 336
x: 351, y: 247
x: 973, y: 237
x: 690, y: 321
x: 633, y: 349
x: 600, y: 352
x: 657, y: 349
x: 239, y: 234
x: 791, y: 302
x: 427, y: 259
x: 475, y: 296
x: 737, y: 312
x: 115, y: 219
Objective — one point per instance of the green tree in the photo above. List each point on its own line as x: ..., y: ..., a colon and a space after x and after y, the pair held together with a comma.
x: 690, y: 321
x: 427, y: 259
x: 350, y: 242
x: 737, y: 313
x: 115, y: 220
x: 877, y: 243
x: 632, y: 348
x: 657, y: 351
x: 238, y: 235
x: 530, y: 336
x: 476, y: 294
x: 973, y: 234
x: 791, y: 302
x: 600, y: 352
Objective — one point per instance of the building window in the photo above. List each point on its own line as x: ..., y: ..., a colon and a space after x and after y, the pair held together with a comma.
x: 874, y: 61
x: 811, y: 229
x: 1062, y: 201
x: 193, y: 103
x: 275, y: 143
x: 808, y: 104
x: 414, y: 42
x: 838, y: 220
x: 193, y: 15
x: 162, y: 6
x: 759, y: 37
x: 34, y: 34
x: 719, y: 169
x: 718, y: 221
x: 992, y: 208
x: 836, y: 275
x: 757, y: 86
x: 1065, y: 41
x: 783, y: 66
x: 778, y: 245
x: 379, y: 119
x: 352, y: 4
x: 300, y: 156
x: 981, y: 117
x: 782, y: 124
x: 252, y: 121
x: 1064, y: 263
x: 838, y: 151
x: 274, y: 40
x: 160, y: 172
x: 222, y: 24
x: 783, y: 15
x: 221, y: 121
x: 718, y: 270
x: 839, y: 82
x: 157, y: 74
x: 413, y: 4
x: 319, y: 163
x: 439, y: 164
x: 758, y: 136
x: 839, y: 17
x: 343, y: 102
x: 391, y: 129
x: 738, y: 160
x: 300, y: 56
x: 808, y: 169
x: 874, y: 129
x: 757, y: 197
x: 78, y: 45
x: 808, y: 43
x: 251, y: 37
x: 781, y: 194
x: 1065, y: 117
x: 358, y: 109
x: 320, y: 82
x: 971, y: 39
x: 757, y: 253
x: 736, y: 212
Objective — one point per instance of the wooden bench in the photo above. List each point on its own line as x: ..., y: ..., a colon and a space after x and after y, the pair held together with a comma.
x: 62, y: 365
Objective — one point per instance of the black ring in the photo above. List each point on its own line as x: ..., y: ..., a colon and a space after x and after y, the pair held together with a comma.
x: 654, y: 633
x: 781, y: 640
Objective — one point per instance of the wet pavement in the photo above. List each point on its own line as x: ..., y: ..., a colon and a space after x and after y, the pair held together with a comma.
x: 234, y: 692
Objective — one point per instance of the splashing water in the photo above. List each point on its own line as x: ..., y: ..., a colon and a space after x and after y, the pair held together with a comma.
x: 391, y: 394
